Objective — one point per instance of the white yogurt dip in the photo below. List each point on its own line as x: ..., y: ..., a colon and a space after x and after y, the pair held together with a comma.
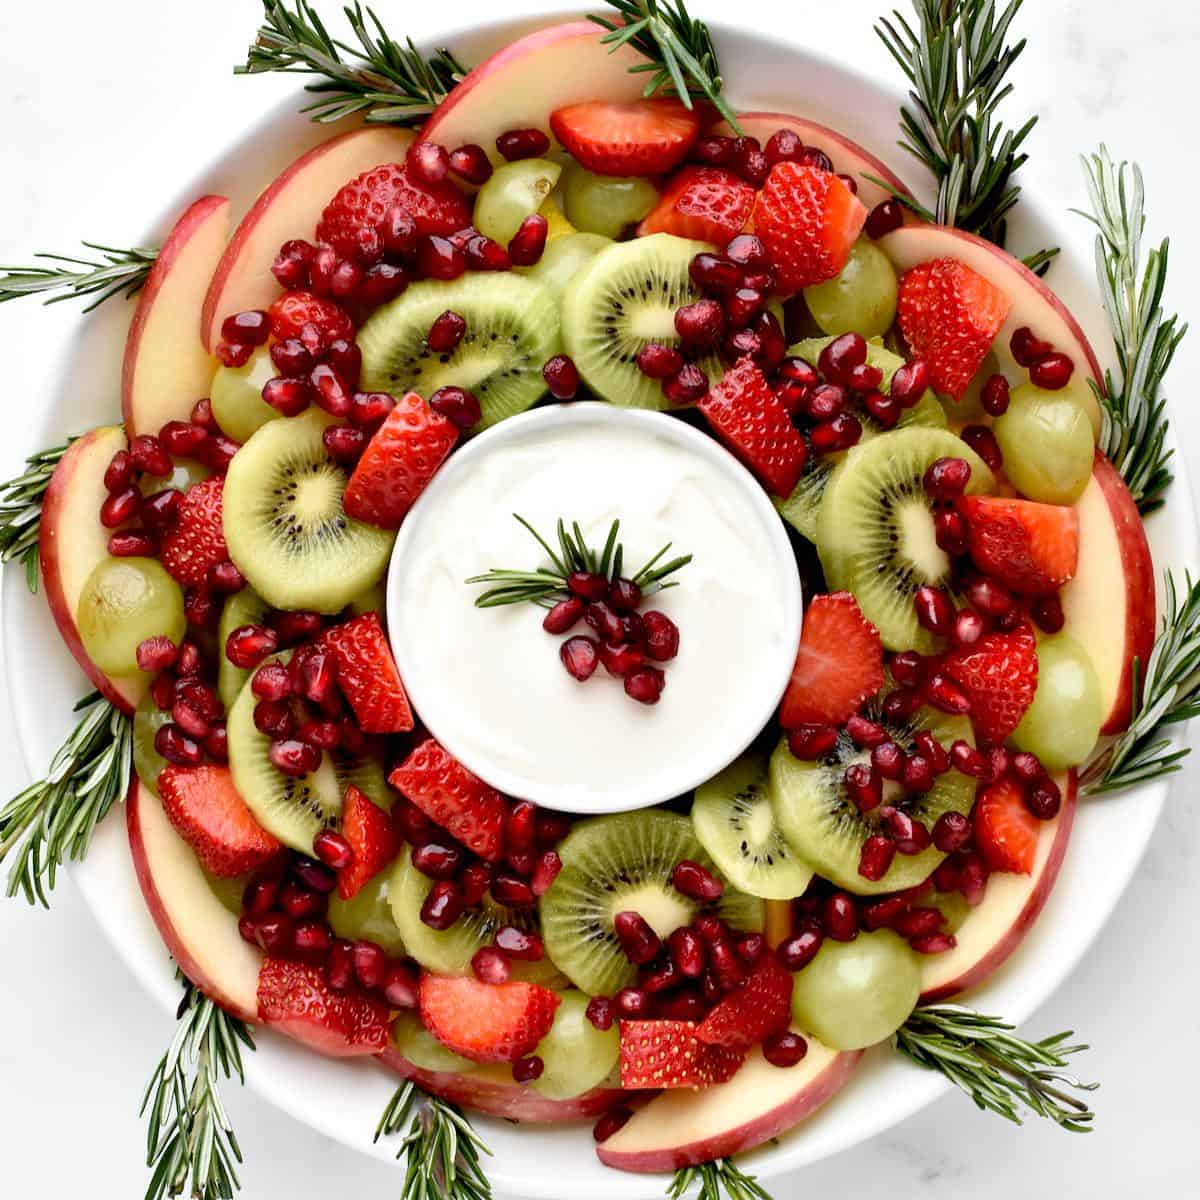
x: 489, y: 684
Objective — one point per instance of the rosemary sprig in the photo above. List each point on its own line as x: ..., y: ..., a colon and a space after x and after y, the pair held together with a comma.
x: 718, y: 1180
x: 440, y: 1147
x: 1133, y: 407
x: 53, y: 819
x: 114, y: 272
x: 678, y: 48
x: 190, y: 1142
x: 545, y: 584
x: 21, y: 510
x: 1000, y: 1071
x: 380, y: 77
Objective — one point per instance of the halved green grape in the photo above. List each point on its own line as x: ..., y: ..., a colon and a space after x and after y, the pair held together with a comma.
x: 855, y: 994
x: 862, y: 299
x: 564, y: 258
x: 422, y: 1049
x: 515, y: 191
x: 367, y: 917
x: 124, y: 601
x: 148, y: 719
x: 577, y: 1055
x: 605, y: 204
x: 236, y: 396
x: 1062, y: 724
x: 1046, y: 439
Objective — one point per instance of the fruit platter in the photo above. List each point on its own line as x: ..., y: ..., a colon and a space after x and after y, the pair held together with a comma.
x: 624, y: 622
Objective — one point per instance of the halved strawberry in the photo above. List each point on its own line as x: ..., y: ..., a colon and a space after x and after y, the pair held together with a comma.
x: 196, y: 542
x: 297, y: 999
x: 839, y: 665
x: 999, y: 673
x: 452, y: 797
x: 367, y: 675
x: 372, y: 837
x: 365, y: 201
x: 398, y: 462
x: 950, y: 317
x: 751, y: 420
x: 809, y: 220
x: 1032, y: 548
x: 1006, y: 832
x: 485, y: 1022
x: 669, y: 1054
x: 293, y: 310
x: 762, y: 1006
x: 703, y: 203
x: 644, y: 137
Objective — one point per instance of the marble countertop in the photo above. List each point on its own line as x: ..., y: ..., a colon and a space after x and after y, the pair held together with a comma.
x: 152, y: 96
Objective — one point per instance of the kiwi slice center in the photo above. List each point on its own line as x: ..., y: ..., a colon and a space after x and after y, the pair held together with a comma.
x: 663, y: 911
x: 650, y: 323
x: 918, y: 539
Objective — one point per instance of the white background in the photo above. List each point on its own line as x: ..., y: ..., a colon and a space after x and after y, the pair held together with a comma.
x: 103, y: 108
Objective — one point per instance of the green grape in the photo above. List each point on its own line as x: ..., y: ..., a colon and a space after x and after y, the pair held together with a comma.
x: 236, y: 396
x: 862, y: 299
x: 564, y: 258
x: 187, y: 472
x: 124, y: 601
x: 968, y: 409
x: 422, y: 1049
x: 578, y: 1056
x: 148, y: 719
x: 604, y: 204
x: 1046, y: 440
x: 228, y: 891
x: 1062, y: 724
x: 368, y: 916
x: 854, y: 994
x: 515, y: 191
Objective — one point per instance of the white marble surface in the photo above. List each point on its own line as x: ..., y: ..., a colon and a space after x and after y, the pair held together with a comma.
x: 101, y: 107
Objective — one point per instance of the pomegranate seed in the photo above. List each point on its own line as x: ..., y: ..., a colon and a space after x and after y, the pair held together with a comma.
x: 291, y: 264
x: 346, y: 360
x: 176, y: 747
x: 865, y: 733
x: 712, y: 151
x: 689, y: 952
x: 252, y: 327
x: 274, y: 718
x: 715, y: 273
x: 639, y: 942
x: 298, y: 626
x: 443, y: 906
x: 562, y: 377
x: 999, y: 763
x: 545, y: 873
x: 1052, y: 372
x: 311, y: 940
x: 119, y: 474
x: 825, y: 402
x: 748, y: 252
x: 1026, y: 348
x: 291, y: 357
x: 485, y: 255
x: 439, y: 258
x: 864, y: 378
x: 565, y: 614
x: 944, y: 694
x: 841, y: 433
x: 729, y: 969
x: 932, y: 751
x: 248, y: 645
x: 934, y: 610
x: 950, y: 532
x: 810, y: 742
x: 783, y: 146
x: 456, y: 405
x: 863, y: 786
x: 294, y: 758
x: 909, y: 835
x: 796, y: 952
x: 288, y: 396
x: 519, y: 825
x: 383, y: 282
x: 370, y: 964
x: 883, y: 408
x: 700, y: 324
x: 951, y: 832
x: 751, y: 948
x: 333, y: 849
x: 438, y: 861
x: 1044, y: 799
x: 344, y: 444
x: 427, y: 162
x: 661, y: 978
x: 876, y: 857
x: 983, y: 441
x: 840, y: 917
x: 909, y: 383
x: 328, y: 390
x: 321, y: 270
x: 947, y: 478
x: 161, y: 510
x: 749, y: 161
x: 784, y: 1049
x: 120, y: 507
x: 513, y: 891
x: 692, y: 880
x: 314, y: 876
x: 972, y: 878
x: 886, y: 217
x: 189, y: 659
x: 190, y: 721
x: 522, y: 861
x: 580, y: 656
x: 550, y: 828
x: 889, y: 760
x: 965, y: 758
x: 274, y: 932
x: 681, y: 1006
x: 841, y: 356
x: 624, y: 595
x: 314, y: 673
x: 446, y: 332
x: 225, y: 579
x: 522, y: 143
x: 519, y: 944
x: 470, y: 162
x: 919, y: 922
x: 259, y: 897
x: 217, y: 743
x: 901, y: 703
x: 989, y: 597
x: 632, y: 1003
x: 339, y: 968
x: 810, y: 156
x: 526, y: 1070
x: 324, y: 735
x: 710, y: 927
x: 587, y: 585
x: 368, y: 410
x: 182, y: 438
x: 527, y: 244
x: 995, y: 396
x: 233, y: 354
x: 934, y: 943
x: 490, y: 966
x: 659, y: 362
x: 621, y: 660
x: 918, y: 774
x: 157, y: 654
x: 771, y: 337
x: 600, y: 1013
x: 400, y: 987
x: 687, y: 386
x: 661, y: 636
x: 600, y: 616
x: 968, y: 628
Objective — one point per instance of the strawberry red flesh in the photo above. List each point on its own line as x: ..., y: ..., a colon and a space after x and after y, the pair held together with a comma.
x: 761, y: 1007
x: 707, y: 204
x: 669, y: 1054
x: 1031, y: 548
x: 999, y: 673
x: 645, y: 137
x: 196, y: 542
x: 372, y: 837
x: 1006, y: 832
x: 297, y: 999
x: 367, y: 675
x: 487, y: 1023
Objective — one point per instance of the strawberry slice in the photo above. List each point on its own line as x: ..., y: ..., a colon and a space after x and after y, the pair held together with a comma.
x: 210, y: 815
x: 1032, y: 548
x: 398, y: 463
x: 669, y: 1054
x: 761, y: 1007
x: 809, y: 220
x: 751, y: 420
x: 372, y: 837
x: 706, y: 204
x: 196, y: 542
x: 950, y: 317
x: 645, y: 137
x: 485, y: 1022
x: 839, y: 665
x: 297, y: 999
x: 450, y: 796
x: 999, y: 673
x: 1006, y: 832
x: 293, y: 310
x: 367, y: 675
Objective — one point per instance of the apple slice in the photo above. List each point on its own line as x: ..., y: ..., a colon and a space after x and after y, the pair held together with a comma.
x: 72, y: 541
x: 290, y: 208
x: 199, y: 931
x: 1012, y: 903
x: 682, y: 1128
x: 1033, y: 303
x: 1110, y: 604
x: 166, y: 368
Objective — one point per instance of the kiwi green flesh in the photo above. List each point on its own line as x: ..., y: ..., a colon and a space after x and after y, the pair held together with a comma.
x: 564, y: 258
x: 619, y: 863
x: 148, y: 719
x: 285, y: 526
x: 823, y: 825
x: 512, y: 329
x: 735, y: 822
x: 875, y: 533
x: 242, y: 608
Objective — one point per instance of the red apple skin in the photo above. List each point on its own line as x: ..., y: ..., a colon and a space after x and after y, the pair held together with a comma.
x: 166, y: 369
x: 72, y: 541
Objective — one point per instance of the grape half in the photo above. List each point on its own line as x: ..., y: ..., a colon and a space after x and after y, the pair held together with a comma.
x: 515, y: 191
x: 604, y: 204
x: 1062, y: 724
x: 1046, y: 439
x: 862, y: 299
x: 124, y: 601
x: 577, y: 1055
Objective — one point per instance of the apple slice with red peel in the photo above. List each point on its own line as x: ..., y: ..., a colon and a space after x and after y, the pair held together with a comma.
x: 199, y: 931
x: 1110, y: 605
x: 683, y: 1128
x: 1034, y: 305
x: 290, y: 208
x: 166, y: 368
x: 1010, y: 906
x: 72, y: 541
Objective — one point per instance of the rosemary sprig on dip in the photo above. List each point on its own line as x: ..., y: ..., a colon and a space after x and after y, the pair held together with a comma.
x: 717, y: 1180
x: 115, y: 272
x: 21, y: 510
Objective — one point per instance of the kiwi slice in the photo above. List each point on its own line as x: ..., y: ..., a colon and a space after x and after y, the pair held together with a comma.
x: 823, y: 825
x: 246, y: 607
x: 285, y: 526
x: 735, y: 822
x: 512, y: 329
x: 622, y: 300
x: 875, y: 530
x: 800, y: 509
x: 449, y: 951
x: 148, y: 719
x: 624, y: 863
